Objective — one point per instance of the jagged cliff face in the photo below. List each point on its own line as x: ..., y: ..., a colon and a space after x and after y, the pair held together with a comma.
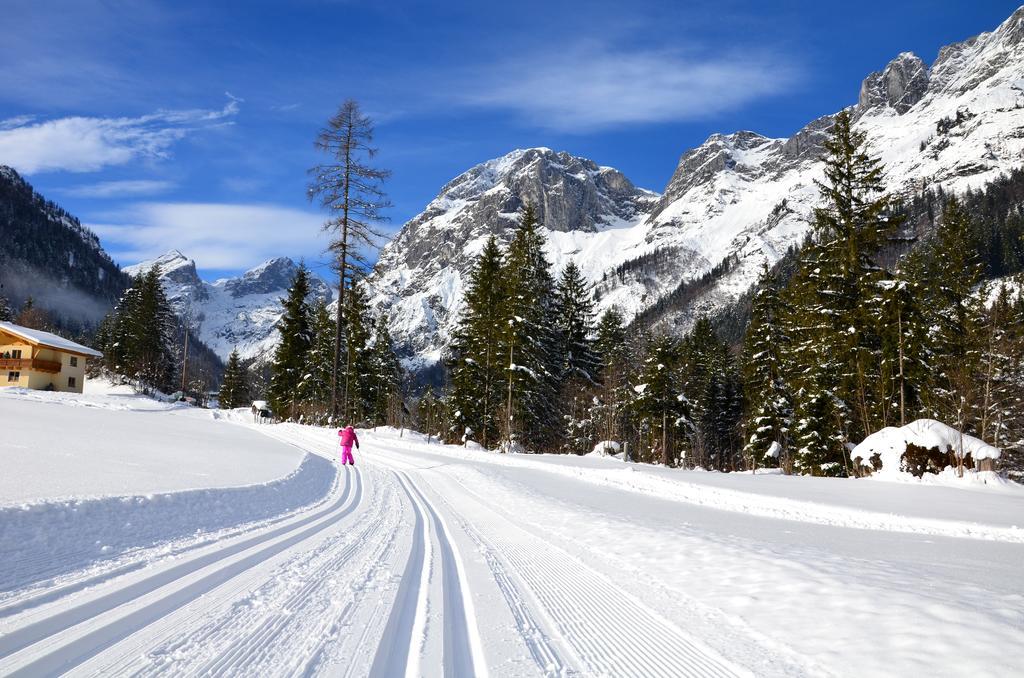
x: 231, y: 313
x: 419, y: 277
x: 958, y: 123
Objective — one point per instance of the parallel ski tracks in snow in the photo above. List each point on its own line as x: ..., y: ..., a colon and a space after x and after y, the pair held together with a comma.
x: 60, y: 638
x: 405, y: 629
x: 606, y: 630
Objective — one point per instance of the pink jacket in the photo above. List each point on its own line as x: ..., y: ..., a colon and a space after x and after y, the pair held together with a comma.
x: 348, y: 437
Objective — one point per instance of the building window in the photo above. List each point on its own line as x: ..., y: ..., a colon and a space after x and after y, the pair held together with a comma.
x: 71, y: 382
x: 74, y: 361
x: 16, y: 354
x: 13, y: 376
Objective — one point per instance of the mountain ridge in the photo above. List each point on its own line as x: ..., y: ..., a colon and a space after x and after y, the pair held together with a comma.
x: 742, y: 197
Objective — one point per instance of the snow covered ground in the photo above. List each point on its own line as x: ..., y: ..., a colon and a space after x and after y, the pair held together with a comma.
x: 428, y: 559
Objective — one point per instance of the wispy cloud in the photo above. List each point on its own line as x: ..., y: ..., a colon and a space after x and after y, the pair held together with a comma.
x: 216, y: 235
x: 17, y: 121
x: 120, y: 189
x: 88, y: 144
x: 592, y: 86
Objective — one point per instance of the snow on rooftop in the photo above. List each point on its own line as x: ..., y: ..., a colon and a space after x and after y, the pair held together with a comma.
x: 48, y: 339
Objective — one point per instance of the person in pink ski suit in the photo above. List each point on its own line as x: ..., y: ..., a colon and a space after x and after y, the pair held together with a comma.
x: 347, y: 437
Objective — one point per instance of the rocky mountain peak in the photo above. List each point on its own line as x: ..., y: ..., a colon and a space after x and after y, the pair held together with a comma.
x: 175, y: 267
x: 569, y: 193
x: 736, y: 153
x: 272, y: 275
x: 902, y: 83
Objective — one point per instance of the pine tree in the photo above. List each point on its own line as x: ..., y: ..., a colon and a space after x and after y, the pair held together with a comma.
x: 315, y: 388
x: 611, y: 345
x: 574, y: 315
x: 6, y: 314
x: 529, y: 337
x: 291, y: 354
x: 357, y: 370
x: 954, y: 271
x: 385, y: 376
x: 579, y: 364
x: 660, y: 406
x: 350, y: 189
x: 769, y: 401
x: 234, y: 389
x: 477, y: 362
x: 153, y: 328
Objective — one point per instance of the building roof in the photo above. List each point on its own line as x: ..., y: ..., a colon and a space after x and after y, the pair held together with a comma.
x: 48, y: 339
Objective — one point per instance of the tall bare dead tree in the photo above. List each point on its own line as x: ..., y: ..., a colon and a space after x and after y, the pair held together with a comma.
x: 350, y: 189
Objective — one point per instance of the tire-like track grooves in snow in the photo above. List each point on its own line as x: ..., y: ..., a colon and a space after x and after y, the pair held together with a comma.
x: 70, y: 654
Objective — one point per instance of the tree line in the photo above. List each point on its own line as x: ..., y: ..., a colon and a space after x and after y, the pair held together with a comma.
x: 845, y: 338
x: 307, y: 384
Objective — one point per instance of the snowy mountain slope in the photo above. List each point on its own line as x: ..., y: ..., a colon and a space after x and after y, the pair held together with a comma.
x: 231, y: 313
x: 958, y: 123
x: 588, y: 211
x: 48, y: 255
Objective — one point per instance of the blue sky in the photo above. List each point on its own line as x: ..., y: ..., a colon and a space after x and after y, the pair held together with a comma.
x: 190, y: 125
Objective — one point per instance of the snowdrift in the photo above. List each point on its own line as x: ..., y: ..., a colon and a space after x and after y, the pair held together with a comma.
x: 45, y: 539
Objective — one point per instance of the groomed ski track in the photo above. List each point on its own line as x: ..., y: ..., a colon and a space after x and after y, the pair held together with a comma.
x: 371, y: 580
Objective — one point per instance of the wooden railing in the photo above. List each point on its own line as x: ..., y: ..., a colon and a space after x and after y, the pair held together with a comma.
x: 29, y: 364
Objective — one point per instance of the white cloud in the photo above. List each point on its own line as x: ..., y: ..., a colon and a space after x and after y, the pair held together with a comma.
x: 88, y: 144
x: 216, y: 235
x: 119, y: 189
x: 591, y: 86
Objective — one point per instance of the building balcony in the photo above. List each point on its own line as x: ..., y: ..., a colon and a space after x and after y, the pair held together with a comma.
x: 29, y: 364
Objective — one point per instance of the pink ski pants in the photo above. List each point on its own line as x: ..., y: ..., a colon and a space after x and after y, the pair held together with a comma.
x: 346, y: 456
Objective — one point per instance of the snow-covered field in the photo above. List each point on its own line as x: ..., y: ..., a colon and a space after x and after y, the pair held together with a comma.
x: 260, y: 556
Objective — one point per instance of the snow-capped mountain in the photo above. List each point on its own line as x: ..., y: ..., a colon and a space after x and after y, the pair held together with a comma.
x: 956, y: 124
x: 419, y: 277
x: 231, y: 313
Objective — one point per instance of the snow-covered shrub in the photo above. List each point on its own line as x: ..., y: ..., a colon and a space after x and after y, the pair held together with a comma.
x: 606, y: 448
x: 922, y: 446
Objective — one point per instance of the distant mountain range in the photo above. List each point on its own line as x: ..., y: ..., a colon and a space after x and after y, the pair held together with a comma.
x: 240, y: 312
x: 735, y: 202
x: 739, y: 198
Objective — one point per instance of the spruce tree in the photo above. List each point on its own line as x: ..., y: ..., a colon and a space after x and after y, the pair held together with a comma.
x: 357, y: 369
x: 315, y: 387
x: 291, y: 355
x: 660, y: 406
x: 612, y: 346
x: 234, y: 389
x: 477, y: 362
x: 579, y: 365
x: 153, y: 329
x: 574, y: 315
x: 769, y: 402
x: 529, y: 339
x: 6, y: 314
x: 385, y: 375
x: 955, y: 269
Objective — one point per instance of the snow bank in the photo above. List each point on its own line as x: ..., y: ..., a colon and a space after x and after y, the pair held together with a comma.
x: 41, y: 540
x: 805, y: 500
x: 889, y: 445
